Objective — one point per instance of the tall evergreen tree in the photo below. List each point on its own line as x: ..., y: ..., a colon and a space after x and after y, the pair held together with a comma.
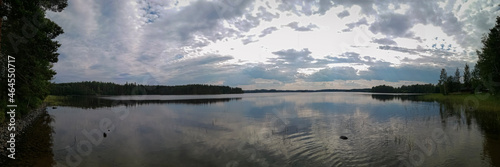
x: 456, y: 78
x: 476, y: 79
x: 467, y: 77
x: 450, y: 84
x: 456, y: 81
x: 489, y: 59
x: 28, y: 36
x: 443, y: 86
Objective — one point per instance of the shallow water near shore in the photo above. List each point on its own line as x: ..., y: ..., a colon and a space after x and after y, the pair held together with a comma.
x: 267, y: 129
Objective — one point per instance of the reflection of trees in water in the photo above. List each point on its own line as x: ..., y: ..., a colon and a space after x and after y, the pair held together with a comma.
x: 388, y: 97
x: 487, y: 121
x: 91, y: 102
x: 34, y: 147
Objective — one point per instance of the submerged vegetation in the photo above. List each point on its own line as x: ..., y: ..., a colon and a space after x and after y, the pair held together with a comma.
x: 56, y: 100
x: 108, y: 88
x: 479, y: 101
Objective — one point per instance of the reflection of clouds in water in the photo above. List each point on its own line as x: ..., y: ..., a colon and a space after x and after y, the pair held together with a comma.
x: 286, y: 130
x: 306, y: 113
x: 290, y: 128
x: 318, y: 97
x: 297, y: 132
x: 263, y: 102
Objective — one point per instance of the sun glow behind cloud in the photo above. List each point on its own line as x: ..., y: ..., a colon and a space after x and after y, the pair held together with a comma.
x: 313, y: 44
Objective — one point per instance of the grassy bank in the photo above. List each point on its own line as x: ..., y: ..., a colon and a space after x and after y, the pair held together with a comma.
x: 52, y: 100
x: 483, y: 101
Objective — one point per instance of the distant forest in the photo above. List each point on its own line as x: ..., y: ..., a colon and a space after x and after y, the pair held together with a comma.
x: 425, y: 88
x: 108, y: 88
x: 322, y: 90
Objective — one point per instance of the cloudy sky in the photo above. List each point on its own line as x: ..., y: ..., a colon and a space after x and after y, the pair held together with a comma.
x: 289, y: 44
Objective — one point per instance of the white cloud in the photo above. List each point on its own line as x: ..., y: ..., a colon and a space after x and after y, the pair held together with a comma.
x: 299, y: 44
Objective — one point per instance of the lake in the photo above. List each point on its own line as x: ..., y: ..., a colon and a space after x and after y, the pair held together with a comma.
x: 263, y: 129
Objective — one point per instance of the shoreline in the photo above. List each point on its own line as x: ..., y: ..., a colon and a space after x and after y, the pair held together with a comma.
x: 21, y: 125
x: 482, y: 101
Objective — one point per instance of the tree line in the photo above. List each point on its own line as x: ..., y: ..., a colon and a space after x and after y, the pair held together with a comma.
x: 417, y: 88
x: 108, y: 88
x: 458, y: 83
x: 485, y: 77
x: 27, y: 37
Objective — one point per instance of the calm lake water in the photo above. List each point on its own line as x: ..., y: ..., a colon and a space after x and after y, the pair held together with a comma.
x: 261, y: 129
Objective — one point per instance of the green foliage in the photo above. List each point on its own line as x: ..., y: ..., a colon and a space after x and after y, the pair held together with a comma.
x: 467, y: 77
x: 486, y: 74
x: 383, y: 89
x: 443, y: 85
x: 450, y: 84
x: 488, y: 62
x: 28, y: 36
x: 108, y: 88
x: 487, y: 104
x: 476, y: 84
x: 417, y: 88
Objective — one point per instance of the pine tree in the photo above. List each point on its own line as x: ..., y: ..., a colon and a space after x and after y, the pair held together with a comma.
x: 467, y: 77
x: 476, y: 79
x: 456, y: 81
x: 489, y: 59
x: 28, y: 35
x: 443, y: 86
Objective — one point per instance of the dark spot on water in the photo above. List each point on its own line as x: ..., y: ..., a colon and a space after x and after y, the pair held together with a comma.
x: 54, y: 107
x: 343, y: 137
x: 104, y: 134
